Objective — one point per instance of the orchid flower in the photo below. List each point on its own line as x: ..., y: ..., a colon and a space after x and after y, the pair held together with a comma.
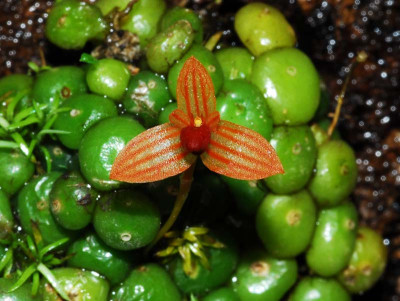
x: 195, y: 130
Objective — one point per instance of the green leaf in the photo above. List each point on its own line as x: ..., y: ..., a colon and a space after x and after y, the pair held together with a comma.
x: 213, y: 41
x: 21, y: 143
x: 197, y: 230
x: 25, y: 249
x: 184, y: 251
x: 34, y: 67
x: 186, y: 255
x: 176, y: 242
x: 28, y: 121
x: 52, y: 280
x: 38, y: 111
x: 190, y: 236
x: 25, y: 113
x: 49, y: 122
x: 35, y: 283
x: 31, y: 246
x: 50, y: 131
x: 52, y: 247
x: 87, y: 58
x: 167, y: 252
x: 32, y: 146
x: 24, y: 277
x: 63, y: 109
x: 7, y: 271
x: 4, y: 123
x: 193, y: 298
x: 209, y: 241
x: 8, y: 144
x: 57, y: 261
x: 47, y: 257
x: 13, y: 103
x: 8, y: 257
x: 55, y: 104
x: 196, y: 249
x: 47, y: 157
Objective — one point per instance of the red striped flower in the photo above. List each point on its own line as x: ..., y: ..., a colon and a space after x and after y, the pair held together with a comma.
x: 195, y: 129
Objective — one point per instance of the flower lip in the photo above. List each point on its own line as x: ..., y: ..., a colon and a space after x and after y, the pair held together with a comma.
x: 195, y: 139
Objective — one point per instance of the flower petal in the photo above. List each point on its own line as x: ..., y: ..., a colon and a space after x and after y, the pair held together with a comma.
x: 238, y: 152
x: 153, y: 155
x: 213, y: 120
x: 179, y: 119
x: 195, y: 90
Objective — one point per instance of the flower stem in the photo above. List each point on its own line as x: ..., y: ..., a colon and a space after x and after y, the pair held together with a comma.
x: 184, y: 189
x: 359, y: 58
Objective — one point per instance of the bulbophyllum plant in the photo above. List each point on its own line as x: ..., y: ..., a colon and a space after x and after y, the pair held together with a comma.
x: 195, y: 130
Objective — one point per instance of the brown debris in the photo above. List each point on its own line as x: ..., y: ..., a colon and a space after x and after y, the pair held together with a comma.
x: 121, y: 45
